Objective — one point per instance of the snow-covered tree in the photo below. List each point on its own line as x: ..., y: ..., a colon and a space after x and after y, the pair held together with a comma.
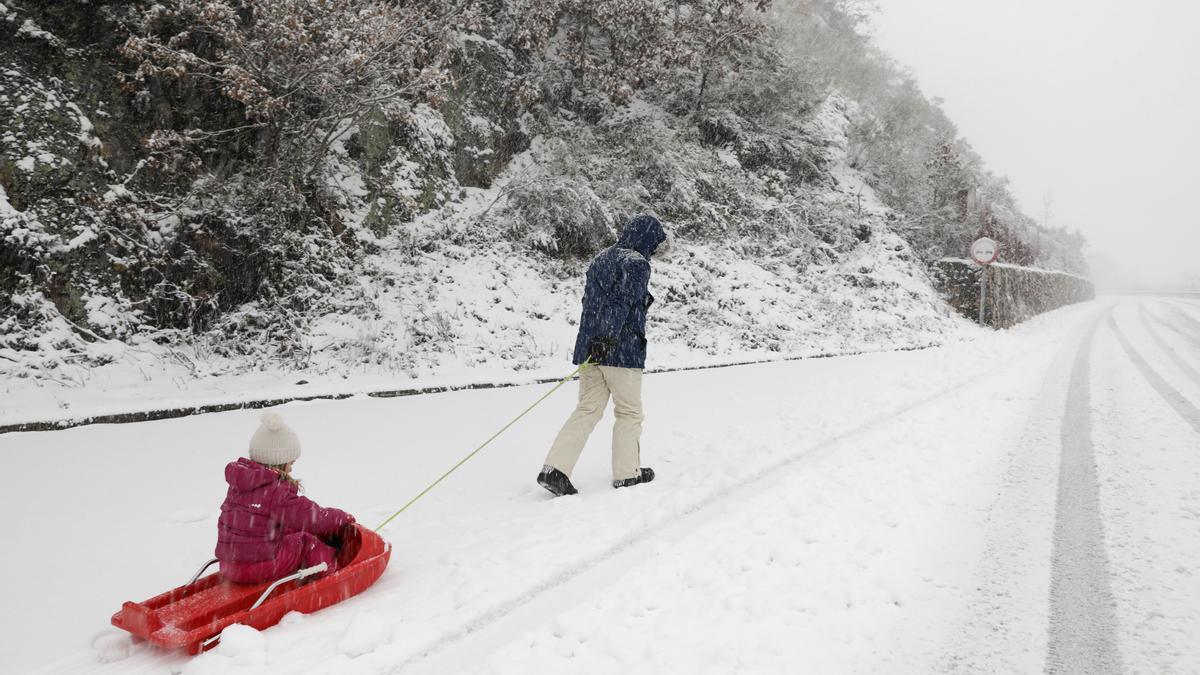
x: 710, y: 36
x: 282, y: 79
x: 615, y: 48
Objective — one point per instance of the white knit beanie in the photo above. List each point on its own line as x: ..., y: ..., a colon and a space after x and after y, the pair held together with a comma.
x: 274, y: 443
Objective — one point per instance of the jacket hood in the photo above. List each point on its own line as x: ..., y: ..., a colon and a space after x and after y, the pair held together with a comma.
x: 246, y: 475
x: 642, y: 234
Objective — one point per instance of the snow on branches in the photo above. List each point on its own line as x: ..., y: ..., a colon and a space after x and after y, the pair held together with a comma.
x: 300, y: 73
x: 617, y: 47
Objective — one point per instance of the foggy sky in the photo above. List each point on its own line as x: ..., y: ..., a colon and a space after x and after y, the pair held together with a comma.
x: 1094, y: 102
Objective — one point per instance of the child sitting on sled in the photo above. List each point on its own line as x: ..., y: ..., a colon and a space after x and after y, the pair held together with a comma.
x: 267, y: 530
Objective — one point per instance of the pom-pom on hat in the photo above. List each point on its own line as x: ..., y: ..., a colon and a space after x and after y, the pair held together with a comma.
x: 274, y: 443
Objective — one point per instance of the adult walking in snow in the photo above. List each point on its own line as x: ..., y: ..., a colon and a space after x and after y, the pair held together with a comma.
x: 612, y: 335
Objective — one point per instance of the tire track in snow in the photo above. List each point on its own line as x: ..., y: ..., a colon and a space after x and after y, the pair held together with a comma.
x: 1149, y: 474
x: 1189, y: 412
x: 1148, y: 320
x: 1194, y: 335
x: 1004, y: 625
x: 680, y: 522
x: 1082, y: 632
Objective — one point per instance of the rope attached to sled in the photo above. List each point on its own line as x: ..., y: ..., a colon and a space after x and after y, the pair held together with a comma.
x: 483, y: 445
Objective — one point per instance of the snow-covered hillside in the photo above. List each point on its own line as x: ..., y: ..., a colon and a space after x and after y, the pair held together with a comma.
x: 454, y: 300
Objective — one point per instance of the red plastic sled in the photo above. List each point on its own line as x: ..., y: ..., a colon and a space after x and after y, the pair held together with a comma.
x: 193, y: 615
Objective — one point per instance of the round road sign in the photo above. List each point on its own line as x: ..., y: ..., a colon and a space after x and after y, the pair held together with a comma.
x: 985, y: 251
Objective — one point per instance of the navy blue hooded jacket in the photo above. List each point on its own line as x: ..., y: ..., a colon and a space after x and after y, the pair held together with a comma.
x: 616, y: 296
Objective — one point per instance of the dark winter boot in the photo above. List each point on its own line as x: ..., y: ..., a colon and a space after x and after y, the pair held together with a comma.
x: 645, y: 476
x: 555, y: 481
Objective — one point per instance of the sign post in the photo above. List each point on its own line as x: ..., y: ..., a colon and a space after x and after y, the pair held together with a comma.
x: 984, y: 251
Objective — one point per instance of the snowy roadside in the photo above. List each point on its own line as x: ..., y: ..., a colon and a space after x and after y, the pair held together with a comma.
x: 175, y: 403
x: 484, y: 543
x: 494, y: 321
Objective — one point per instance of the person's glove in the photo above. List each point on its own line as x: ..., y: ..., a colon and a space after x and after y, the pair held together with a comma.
x: 599, y: 348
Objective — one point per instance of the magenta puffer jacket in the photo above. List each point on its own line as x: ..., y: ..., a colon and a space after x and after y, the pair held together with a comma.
x: 260, y: 510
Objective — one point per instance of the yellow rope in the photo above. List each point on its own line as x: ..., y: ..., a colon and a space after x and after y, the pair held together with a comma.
x: 474, y: 452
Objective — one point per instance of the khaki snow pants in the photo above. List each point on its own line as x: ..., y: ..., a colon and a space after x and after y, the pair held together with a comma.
x: 595, y: 385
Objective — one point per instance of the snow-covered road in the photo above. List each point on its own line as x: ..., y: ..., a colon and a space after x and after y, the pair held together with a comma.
x: 1029, y: 500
